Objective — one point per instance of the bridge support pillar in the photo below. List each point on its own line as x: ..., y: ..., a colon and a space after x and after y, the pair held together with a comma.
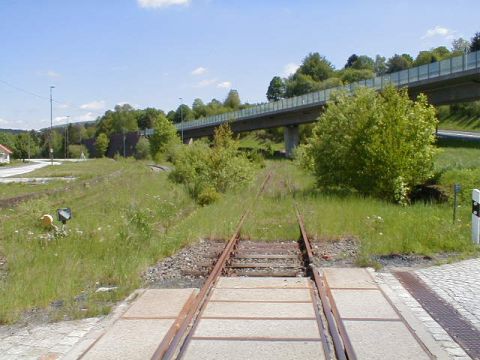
x: 291, y: 138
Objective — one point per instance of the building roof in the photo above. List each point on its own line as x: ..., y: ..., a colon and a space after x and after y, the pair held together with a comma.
x: 5, y: 149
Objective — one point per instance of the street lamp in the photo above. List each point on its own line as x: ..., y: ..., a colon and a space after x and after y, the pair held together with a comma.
x: 51, y: 124
x: 181, y: 116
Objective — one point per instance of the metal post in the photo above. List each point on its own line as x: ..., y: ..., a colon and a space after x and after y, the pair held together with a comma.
x: 51, y: 126
x: 181, y: 116
x: 456, y: 190
x: 475, y: 216
x: 123, y: 130
x: 66, y: 137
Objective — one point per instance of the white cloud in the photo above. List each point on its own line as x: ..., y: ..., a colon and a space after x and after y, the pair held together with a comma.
x: 89, y: 116
x: 290, y: 69
x: 3, y: 121
x: 63, y: 106
x: 205, y: 83
x: 225, y: 85
x: 439, y: 31
x: 156, y: 4
x: 53, y: 74
x: 60, y: 119
x: 94, y: 105
x: 199, y: 71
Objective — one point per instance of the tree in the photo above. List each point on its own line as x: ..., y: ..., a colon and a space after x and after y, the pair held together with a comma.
x: 165, y: 133
x: 199, y: 108
x: 146, y: 118
x: 276, y: 89
x: 425, y: 57
x: 232, y: 100
x: 183, y: 113
x: 350, y: 61
x: 351, y: 75
x: 300, y: 84
x: 364, y: 62
x: 475, y: 42
x: 380, y: 65
x: 25, y: 146
x: 77, y: 133
x: 316, y: 66
x: 8, y: 140
x: 101, y: 144
x: 441, y: 52
x: 460, y: 45
x: 381, y: 144
x: 399, y: 62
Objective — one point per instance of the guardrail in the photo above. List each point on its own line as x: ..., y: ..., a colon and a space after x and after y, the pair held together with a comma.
x: 453, y: 65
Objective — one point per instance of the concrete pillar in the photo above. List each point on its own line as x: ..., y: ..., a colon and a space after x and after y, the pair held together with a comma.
x: 291, y: 138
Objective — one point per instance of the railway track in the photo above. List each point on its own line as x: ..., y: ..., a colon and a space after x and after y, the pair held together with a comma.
x: 248, y: 259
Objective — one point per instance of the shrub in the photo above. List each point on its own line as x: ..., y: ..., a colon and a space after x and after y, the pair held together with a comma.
x: 101, y: 144
x: 208, y: 170
x: 76, y: 151
x: 164, y: 135
x: 380, y: 144
x: 142, y: 149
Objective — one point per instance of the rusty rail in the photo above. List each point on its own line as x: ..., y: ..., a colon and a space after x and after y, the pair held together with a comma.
x: 341, y: 342
x: 173, y: 339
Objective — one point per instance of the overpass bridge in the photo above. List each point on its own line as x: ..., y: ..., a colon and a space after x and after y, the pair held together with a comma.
x: 445, y: 82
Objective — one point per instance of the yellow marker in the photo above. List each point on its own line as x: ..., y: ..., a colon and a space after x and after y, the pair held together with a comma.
x: 47, y: 220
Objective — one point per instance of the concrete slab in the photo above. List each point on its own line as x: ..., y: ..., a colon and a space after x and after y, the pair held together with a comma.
x: 159, y: 303
x: 363, y: 304
x: 259, y: 310
x: 383, y: 340
x: 130, y: 339
x: 253, y: 350
x: 261, y: 295
x: 255, y: 283
x: 349, y: 278
x: 296, y: 329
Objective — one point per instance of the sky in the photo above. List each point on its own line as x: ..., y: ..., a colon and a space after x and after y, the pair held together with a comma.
x: 151, y: 53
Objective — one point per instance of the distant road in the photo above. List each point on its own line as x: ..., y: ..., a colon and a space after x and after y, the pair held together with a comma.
x: 460, y: 135
x: 23, y: 169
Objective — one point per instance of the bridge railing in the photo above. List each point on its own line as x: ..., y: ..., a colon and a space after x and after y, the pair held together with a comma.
x: 453, y: 65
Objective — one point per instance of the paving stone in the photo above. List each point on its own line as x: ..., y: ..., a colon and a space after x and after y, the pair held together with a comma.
x: 349, y: 278
x: 363, y: 304
x: 253, y: 350
x: 159, y: 303
x: 255, y: 283
x: 257, y: 328
x: 383, y: 340
x: 261, y: 295
x: 130, y: 339
x: 259, y: 310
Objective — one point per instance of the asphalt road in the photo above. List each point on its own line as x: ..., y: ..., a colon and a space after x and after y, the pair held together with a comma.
x: 461, y: 135
x: 23, y: 169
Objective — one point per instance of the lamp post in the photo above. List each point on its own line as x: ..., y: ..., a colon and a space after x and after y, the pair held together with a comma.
x: 181, y: 116
x: 66, y: 136
x: 51, y: 125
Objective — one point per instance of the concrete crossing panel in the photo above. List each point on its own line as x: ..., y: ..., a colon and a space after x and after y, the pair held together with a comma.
x: 363, y: 304
x: 259, y: 310
x: 354, y: 278
x: 253, y: 350
x: 261, y: 295
x: 255, y: 283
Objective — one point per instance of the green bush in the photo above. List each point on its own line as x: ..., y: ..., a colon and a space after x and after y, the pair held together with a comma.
x: 204, y: 169
x: 142, y: 149
x: 76, y: 151
x: 165, y: 134
x: 380, y: 144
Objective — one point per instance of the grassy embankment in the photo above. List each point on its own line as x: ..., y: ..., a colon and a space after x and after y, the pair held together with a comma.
x: 123, y: 225
x: 460, y: 122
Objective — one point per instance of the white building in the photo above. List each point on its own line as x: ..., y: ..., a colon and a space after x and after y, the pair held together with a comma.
x: 5, y: 154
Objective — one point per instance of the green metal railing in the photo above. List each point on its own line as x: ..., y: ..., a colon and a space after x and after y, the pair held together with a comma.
x: 453, y: 65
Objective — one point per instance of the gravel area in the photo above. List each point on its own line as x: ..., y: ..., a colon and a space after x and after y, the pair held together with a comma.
x: 187, y: 268
x: 340, y: 252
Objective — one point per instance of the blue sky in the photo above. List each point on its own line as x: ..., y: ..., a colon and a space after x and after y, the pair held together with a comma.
x: 99, y: 53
